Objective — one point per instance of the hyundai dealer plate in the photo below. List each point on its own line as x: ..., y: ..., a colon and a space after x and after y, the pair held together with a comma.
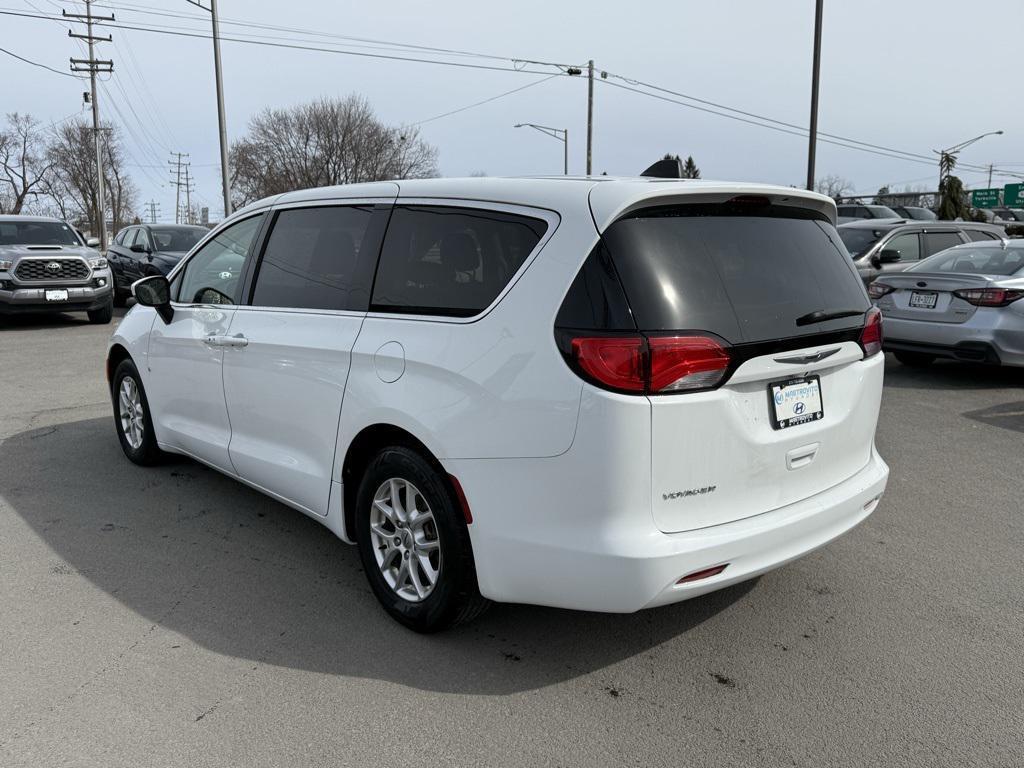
x: 59, y: 295
x: 795, y: 401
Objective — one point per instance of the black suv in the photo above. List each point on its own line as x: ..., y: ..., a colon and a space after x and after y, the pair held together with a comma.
x: 892, y: 246
x: 144, y: 250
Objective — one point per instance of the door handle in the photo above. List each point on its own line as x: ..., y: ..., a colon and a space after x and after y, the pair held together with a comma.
x: 215, y: 340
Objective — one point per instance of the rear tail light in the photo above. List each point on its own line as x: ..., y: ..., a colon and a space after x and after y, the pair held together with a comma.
x: 871, y: 336
x: 656, y: 365
x: 878, y: 290
x: 989, y: 297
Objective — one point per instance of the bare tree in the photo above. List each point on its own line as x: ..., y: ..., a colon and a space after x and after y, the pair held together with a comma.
x: 832, y: 185
x: 23, y: 162
x: 71, y: 186
x: 325, y: 142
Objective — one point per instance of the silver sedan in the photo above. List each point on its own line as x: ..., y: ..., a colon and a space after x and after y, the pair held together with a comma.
x: 964, y: 303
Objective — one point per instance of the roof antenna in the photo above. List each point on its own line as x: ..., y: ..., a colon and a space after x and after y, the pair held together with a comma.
x: 667, y: 168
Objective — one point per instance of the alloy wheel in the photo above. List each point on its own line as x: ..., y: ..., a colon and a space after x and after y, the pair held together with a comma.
x: 133, y: 424
x: 405, y: 541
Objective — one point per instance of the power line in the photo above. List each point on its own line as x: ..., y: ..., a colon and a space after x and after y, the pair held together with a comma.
x: 37, y: 64
x: 485, y: 101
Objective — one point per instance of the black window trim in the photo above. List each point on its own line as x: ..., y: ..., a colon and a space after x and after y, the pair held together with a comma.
x: 549, y: 216
x: 382, y: 207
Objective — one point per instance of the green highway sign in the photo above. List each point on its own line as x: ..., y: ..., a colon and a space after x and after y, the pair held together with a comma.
x: 985, y: 198
x: 1013, y: 195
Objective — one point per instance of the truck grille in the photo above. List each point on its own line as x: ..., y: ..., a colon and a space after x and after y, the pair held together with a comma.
x: 43, y: 269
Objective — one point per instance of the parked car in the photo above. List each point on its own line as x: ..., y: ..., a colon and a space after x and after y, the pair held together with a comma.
x: 148, y: 249
x: 46, y: 266
x: 893, y: 246
x: 855, y: 211
x: 914, y: 212
x: 604, y: 395
x: 1009, y: 214
x: 963, y: 303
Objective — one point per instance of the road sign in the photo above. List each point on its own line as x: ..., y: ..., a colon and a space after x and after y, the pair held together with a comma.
x: 985, y: 198
x: 1013, y: 195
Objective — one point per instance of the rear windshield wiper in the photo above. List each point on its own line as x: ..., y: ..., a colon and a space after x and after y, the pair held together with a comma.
x: 820, y: 316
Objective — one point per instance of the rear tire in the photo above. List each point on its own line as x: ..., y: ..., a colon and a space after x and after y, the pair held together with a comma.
x: 399, y: 488
x: 102, y: 315
x: 915, y: 359
x: 120, y: 298
x: 132, y: 418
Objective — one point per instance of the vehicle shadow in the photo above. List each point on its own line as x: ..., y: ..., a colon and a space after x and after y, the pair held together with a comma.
x: 33, y: 321
x: 201, y: 555
x: 949, y: 374
x: 1005, y: 415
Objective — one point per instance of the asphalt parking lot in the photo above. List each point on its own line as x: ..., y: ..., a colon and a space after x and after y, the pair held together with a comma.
x: 171, y: 616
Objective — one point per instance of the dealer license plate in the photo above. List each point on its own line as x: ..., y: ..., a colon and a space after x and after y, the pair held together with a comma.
x: 59, y: 295
x: 795, y: 401
x: 923, y: 300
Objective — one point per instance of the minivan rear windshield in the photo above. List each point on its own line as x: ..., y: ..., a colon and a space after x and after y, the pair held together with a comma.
x: 744, y: 275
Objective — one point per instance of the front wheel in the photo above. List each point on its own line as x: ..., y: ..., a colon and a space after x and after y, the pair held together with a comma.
x: 132, y: 417
x: 915, y: 359
x: 102, y: 315
x: 414, y: 543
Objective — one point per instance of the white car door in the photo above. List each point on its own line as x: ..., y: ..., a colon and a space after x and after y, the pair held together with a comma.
x: 284, y: 387
x: 185, y: 384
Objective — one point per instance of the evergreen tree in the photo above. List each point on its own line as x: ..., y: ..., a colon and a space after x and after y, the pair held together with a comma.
x: 690, y: 169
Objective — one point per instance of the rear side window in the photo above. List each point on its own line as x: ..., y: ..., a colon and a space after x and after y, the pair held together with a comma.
x: 311, y: 259
x: 743, y: 274
x: 940, y: 241
x: 450, y: 261
x: 979, y: 235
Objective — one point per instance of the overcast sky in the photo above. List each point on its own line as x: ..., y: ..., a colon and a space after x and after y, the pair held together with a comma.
x: 913, y: 75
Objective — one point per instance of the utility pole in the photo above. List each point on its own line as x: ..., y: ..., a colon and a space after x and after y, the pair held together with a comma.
x: 92, y: 65
x: 221, y: 120
x: 188, y: 197
x: 176, y: 166
x: 153, y: 205
x: 590, y: 113
x: 990, y: 175
x: 812, y: 138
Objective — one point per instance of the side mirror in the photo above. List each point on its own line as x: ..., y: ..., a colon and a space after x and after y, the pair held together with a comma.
x: 875, y: 261
x: 889, y: 256
x: 139, y: 248
x: 155, y: 292
x: 93, y: 242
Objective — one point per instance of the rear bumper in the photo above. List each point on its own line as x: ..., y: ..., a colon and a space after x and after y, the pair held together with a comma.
x: 993, y: 336
x: 81, y: 298
x: 637, y: 566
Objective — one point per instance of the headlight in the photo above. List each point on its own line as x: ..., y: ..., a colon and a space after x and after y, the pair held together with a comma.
x: 5, y: 264
x: 98, y: 263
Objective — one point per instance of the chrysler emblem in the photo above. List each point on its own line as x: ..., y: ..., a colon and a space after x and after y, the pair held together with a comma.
x: 53, y: 266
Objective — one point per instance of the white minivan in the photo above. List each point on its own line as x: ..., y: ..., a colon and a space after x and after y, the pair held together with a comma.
x: 592, y: 393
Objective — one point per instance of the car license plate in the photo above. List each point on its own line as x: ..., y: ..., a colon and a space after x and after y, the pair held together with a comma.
x: 61, y: 295
x: 923, y: 300
x: 795, y: 401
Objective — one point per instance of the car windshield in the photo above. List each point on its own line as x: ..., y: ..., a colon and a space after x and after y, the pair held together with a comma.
x: 882, y: 212
x: 37, y: 233
x: 858, y: 240
x: 177, y: 238
x: 991, y: 260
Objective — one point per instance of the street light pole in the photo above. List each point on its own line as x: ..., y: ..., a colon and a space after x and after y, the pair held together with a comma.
x: 812, y: 138
x: 562, y: 134
x: 955, y: 149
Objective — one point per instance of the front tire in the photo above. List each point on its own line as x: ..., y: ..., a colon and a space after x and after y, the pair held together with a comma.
x: 414, y: 544
x: 915, y: 359
x: 104, y: 314
x: 132, y: 418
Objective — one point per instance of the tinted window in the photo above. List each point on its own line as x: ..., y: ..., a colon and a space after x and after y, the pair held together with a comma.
x: 853, y: 211
x: 450, y: 261
x: 977, y: 234
x: 595, y: 300
x: 212, y: 274
x: 986, y: 261
x: 119, y: 240
x: 176, y: 239
x: 908, y: 245
x: 882, y: 212
x: 744, y: 276
x: 311, y: 257
x: 940, y: 241
x: 858, y: 240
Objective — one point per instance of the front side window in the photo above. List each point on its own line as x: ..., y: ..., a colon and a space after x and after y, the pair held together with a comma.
x: 213, y: 274
x: 908, y: 246
x: 119, y: 240
x: 311, y: 259
x: 450, y: 261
